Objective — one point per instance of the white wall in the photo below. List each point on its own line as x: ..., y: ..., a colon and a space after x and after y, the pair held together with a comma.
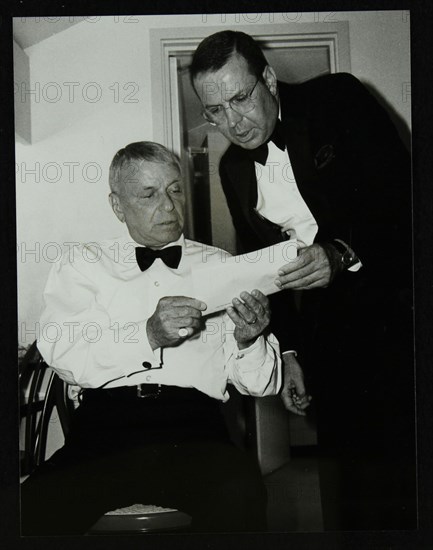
x: 63, y: 202
x: 22, y: 110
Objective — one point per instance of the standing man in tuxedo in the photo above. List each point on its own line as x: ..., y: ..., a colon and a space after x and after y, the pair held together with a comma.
x: 321, y: 160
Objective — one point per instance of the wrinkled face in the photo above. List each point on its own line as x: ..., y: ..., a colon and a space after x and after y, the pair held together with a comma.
x: 234, y: 80
x: 151, y: 202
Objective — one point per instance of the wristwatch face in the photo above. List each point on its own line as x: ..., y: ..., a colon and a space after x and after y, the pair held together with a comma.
x: 347, y: 259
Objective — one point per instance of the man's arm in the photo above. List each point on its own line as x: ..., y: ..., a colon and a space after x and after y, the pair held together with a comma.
x: 252, y: 359
x: 316, y: 266
x: 80, y: 340
x: 372, y: 201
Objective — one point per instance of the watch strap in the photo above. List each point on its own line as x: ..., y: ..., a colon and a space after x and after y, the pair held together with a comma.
x: 348, y: 256
x: 340, y: 256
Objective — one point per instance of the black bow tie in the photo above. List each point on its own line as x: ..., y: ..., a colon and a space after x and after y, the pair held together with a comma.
x: 146, y: 256
x: 260, y: 154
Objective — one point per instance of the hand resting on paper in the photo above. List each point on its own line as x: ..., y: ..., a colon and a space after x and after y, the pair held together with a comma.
x: 311, y: 269
x: 251, y: 315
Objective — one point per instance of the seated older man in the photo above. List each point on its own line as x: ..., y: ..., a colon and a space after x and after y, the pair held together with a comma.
x: 152, y: 369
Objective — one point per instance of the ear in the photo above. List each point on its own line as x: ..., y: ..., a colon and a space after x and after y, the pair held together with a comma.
x: 270, y: 79
x: 116, y: 205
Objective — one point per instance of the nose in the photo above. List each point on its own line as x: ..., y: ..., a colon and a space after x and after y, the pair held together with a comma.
x: 232, y: 116
x: 167, y: 203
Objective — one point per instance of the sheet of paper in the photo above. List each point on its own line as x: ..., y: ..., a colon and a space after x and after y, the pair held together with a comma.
x: 216, y: 283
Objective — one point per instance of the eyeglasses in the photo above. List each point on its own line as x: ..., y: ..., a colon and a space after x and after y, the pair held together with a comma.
x: 242, y: 103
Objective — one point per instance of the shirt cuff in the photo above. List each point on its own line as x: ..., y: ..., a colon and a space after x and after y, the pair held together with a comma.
x: 295, y: 353
x: 241, y: 353
x: 355, y: 267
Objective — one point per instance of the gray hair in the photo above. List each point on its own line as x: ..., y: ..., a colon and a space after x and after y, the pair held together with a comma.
x: 139, y: 151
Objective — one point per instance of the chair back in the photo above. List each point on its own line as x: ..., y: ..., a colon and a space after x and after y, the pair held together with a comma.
x: 41, y: 390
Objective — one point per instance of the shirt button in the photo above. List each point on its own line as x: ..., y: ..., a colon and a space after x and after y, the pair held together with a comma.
x: 148, y: 378
x: 147, y: 365
x: 156, y: 283
x: 239, y: 356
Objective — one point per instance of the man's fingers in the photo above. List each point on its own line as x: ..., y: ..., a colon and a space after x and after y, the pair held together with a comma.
x: 187, y: 311
x: 297, y: 386
x: 314, y: 280
x: 295, y: 265
x: 290, y: 406
x: 260, y: 297
x: 177, y: 313
x: 302, y: 402
x: 294, y: 396
x: 296, y: 273
x: 310, y: 270
x: 256, y: 301
x: 244, y: 312
x: 254, y: 306
x: 179, y: 301
x: 299, y: 273
x: 186, y: 322
x: 234, y: 316
x: 307, y: 258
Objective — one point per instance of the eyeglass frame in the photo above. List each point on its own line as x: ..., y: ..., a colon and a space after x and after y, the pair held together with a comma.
x: 248, y: 96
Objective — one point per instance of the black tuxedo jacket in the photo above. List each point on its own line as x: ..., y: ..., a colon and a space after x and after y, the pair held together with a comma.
x: 353, y: 172
x: 354, y: 339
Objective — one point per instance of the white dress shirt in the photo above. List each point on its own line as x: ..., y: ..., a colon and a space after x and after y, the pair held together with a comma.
x: 93, y: 328
x: 279, y: 199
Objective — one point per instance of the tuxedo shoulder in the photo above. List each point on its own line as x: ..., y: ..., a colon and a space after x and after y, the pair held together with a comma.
x: 331, y: 94
x: 326, y: 79
x: 331, y: 82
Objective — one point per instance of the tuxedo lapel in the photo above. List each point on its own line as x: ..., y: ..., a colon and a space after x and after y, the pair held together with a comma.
x: 242, y: 172
x: 297, y: 136
x: 297, y: 132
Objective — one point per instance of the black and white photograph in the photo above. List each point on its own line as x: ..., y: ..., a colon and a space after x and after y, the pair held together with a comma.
x: 215, y: 308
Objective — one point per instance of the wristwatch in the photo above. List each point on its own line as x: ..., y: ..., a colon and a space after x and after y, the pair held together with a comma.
x: 348, y: 257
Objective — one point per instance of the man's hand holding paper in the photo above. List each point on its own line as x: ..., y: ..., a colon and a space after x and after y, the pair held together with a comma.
x: 310, y: 270
x: 251, y: 316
